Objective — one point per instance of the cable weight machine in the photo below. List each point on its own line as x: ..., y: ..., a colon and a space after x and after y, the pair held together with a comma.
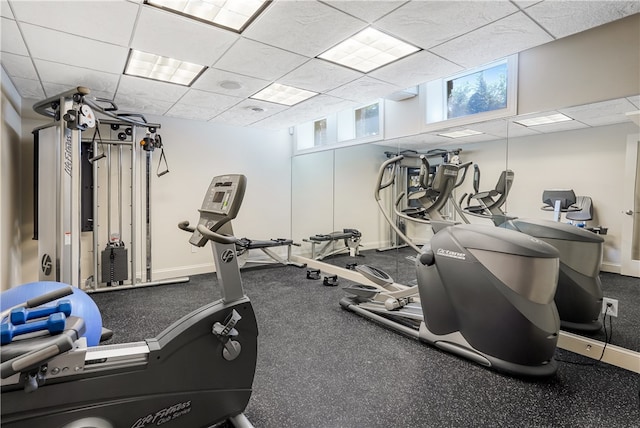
x: 94, y: 192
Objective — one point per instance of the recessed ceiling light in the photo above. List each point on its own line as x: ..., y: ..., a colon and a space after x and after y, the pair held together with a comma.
x: 230, y: 84
x: 283, y: 94
x: 162, y: 68
x: 368, y: 50
x: 461, y: 133
x: 233, y: 15
x: 543, y: 120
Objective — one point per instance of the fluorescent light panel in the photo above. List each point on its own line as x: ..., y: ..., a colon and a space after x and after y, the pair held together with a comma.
x: 544, y: 120
x: 231, y: 14
x: 162, y: 68
x: 461, y: 133
x: 368, y: 50
x: 283, y: 94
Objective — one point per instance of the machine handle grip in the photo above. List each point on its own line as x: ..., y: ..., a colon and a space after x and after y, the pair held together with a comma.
x: 40, y: 300
x: 216, y: 237
x: 184, y: 225
x: 113, y: 106
x: 49, y: 297
x: 62, y: 344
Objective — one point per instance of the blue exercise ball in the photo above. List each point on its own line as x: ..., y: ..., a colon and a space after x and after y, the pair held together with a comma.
x: 82, y: 305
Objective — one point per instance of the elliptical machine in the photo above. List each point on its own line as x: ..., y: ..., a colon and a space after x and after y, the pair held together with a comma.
x: 579, y: 292
x: 483, y: 293
x: 198, y: 372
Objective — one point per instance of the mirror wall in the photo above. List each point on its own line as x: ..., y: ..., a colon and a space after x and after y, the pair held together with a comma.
x: 333, y: 190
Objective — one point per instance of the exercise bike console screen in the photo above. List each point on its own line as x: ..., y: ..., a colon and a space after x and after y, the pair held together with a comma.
x: 220, y: 205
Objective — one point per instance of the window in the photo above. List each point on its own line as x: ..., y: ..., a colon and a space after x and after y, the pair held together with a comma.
x: 320, y: 132
x: 367, y: 121
x: 477, y: 92
x: 483, y: 93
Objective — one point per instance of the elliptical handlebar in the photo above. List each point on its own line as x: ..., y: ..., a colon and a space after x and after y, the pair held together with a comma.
x: 465, y: 167
x: 380, y: 184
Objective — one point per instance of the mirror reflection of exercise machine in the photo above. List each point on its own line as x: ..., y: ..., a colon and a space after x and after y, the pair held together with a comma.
x: 472, y: 298
x: 196, y: 373
x: 579, y: 292
x: 92, y: 193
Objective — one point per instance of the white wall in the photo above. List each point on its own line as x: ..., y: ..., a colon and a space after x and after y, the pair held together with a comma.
x: 10, y: 265
x: 589, y: 161
x: 196, y: 152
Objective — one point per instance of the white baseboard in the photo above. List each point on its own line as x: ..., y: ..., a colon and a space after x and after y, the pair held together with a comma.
x: 610, y: 267
x: 183, y: 271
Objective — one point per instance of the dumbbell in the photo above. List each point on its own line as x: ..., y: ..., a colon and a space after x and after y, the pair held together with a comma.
x: 54, y: 324
x: 22, y: 315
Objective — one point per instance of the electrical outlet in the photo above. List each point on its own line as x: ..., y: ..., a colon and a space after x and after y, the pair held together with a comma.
x: 612, y: 304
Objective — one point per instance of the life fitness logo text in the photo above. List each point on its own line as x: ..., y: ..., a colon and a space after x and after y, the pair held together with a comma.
x: 451, y: 254
x: 165, y: 415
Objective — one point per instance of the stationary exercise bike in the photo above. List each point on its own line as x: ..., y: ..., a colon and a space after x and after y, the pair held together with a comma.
x: 579, y: 292
x: 483, y: 293
x: 196, y: 373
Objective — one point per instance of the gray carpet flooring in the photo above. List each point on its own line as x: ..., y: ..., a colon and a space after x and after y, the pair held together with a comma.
x: 321, y: 366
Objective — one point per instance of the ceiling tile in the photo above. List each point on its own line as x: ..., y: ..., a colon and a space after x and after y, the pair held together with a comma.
x: 304, y: 27
x: 52, y: 89
x: 19, y: 66
x: 367, y: 10
x: 258, y: 60
x: 364, y: 90
x: 53, y: 72
x: 210, y: 81
x: 497, y: 40
x: 68, y: 49
x: 131, y: 86
x: 562, y: 18
x: 244, y: 113
x: 5, y: 10
x: 603, y: 113
x: 497, y: 128
x: 141, y: 104
x: 11, y: 40
x: 28, y: 89
x: 190, y: 112
x: 312, y: 109
x: 109, y: 21
x: 216, y: 102
x: 429, y: 23
x: 415, y: 69
x: 168, y: 34
x: 319, y: 76
x: 523, y: 4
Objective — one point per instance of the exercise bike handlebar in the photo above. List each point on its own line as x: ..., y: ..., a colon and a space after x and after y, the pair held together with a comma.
x: 184, y: 225
x: 216, y: 237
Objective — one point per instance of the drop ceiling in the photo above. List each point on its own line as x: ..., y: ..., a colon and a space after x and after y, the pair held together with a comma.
x: 48, y: 47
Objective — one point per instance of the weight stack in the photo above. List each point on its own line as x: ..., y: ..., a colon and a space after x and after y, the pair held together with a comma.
x: 114, y: 264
